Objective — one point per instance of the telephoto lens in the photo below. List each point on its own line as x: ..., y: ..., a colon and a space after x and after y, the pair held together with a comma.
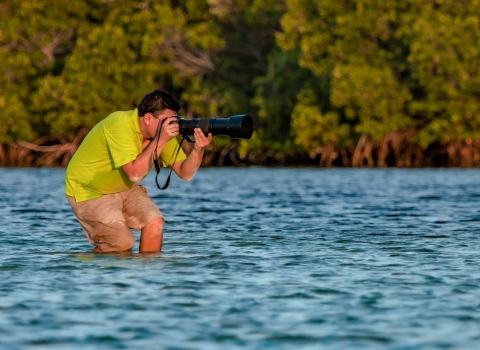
x: 237, y: 126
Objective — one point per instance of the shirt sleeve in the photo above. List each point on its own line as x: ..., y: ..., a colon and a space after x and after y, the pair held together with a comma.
x: 169, y: 152
x: 121, y: 143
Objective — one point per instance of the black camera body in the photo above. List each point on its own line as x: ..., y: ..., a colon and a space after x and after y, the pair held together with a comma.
x: 237, y: 126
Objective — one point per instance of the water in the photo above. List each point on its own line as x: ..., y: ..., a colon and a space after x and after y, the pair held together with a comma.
x: 253, y: 258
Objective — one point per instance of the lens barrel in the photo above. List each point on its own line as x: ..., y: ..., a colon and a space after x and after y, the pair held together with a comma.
x: 237, y: 126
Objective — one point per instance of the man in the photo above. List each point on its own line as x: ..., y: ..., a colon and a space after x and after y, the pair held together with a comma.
x: 102, y: 177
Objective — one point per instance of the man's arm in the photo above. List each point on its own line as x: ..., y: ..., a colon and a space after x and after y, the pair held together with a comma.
x: 137, y: 169
x: 186, y: 169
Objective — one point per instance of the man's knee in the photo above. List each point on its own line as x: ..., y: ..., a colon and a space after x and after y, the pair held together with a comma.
x: 154, y: 229
x: 125, y: 244
x: 118, y: 242
x: 155, y: 224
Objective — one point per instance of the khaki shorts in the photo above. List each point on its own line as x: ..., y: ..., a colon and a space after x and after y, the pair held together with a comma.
x: 107, y: 220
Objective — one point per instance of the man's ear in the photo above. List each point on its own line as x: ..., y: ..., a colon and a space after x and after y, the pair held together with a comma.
x: 147, y: 118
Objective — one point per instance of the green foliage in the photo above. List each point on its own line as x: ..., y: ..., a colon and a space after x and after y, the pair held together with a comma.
x: 444, y: 56
x: 275, y: 97
x: 35, y: 37
x: 395, y: 65
x: 371, y: 98
x: 311, y: 72
x: 314, y: 128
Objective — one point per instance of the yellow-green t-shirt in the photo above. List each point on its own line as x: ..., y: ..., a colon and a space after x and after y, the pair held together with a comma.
x: 95, y: 169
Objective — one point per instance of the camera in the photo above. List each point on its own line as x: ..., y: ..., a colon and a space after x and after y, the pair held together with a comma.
x: 237, y: 126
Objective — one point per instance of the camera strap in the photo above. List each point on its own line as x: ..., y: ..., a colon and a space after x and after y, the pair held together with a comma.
x: 157, y: 163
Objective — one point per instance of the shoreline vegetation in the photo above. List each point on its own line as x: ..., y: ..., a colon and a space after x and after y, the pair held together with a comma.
x: 329, y: 83
x: 395, y: 150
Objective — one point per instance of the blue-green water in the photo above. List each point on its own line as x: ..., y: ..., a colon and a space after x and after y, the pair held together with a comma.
x: 253, y: 258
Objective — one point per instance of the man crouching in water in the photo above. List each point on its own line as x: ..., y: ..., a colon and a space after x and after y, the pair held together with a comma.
x: 102, y: 177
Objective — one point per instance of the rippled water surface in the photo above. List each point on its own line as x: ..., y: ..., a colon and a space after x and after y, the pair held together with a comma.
x: 252, y: 258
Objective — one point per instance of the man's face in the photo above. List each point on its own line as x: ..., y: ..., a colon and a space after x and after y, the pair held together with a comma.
x: 155, y: 121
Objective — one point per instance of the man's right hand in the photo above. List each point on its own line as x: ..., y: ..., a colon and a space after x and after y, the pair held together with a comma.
x: 137, y: 169
x: 169, y: 129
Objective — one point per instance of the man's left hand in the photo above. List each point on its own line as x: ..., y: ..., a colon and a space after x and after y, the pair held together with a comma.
x: 186, y: 168
x: 201, y: 141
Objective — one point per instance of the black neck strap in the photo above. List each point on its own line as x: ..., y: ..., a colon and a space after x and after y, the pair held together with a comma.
x: 157, y: 163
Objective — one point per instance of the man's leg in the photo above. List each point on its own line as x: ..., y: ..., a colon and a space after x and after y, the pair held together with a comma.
x: 141, y: 213
x: 152, y: 237
x: 103, y: 223
x: 116, y: 237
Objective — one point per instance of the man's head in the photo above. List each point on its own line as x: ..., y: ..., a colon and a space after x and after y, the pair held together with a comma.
x: 156, y: 102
